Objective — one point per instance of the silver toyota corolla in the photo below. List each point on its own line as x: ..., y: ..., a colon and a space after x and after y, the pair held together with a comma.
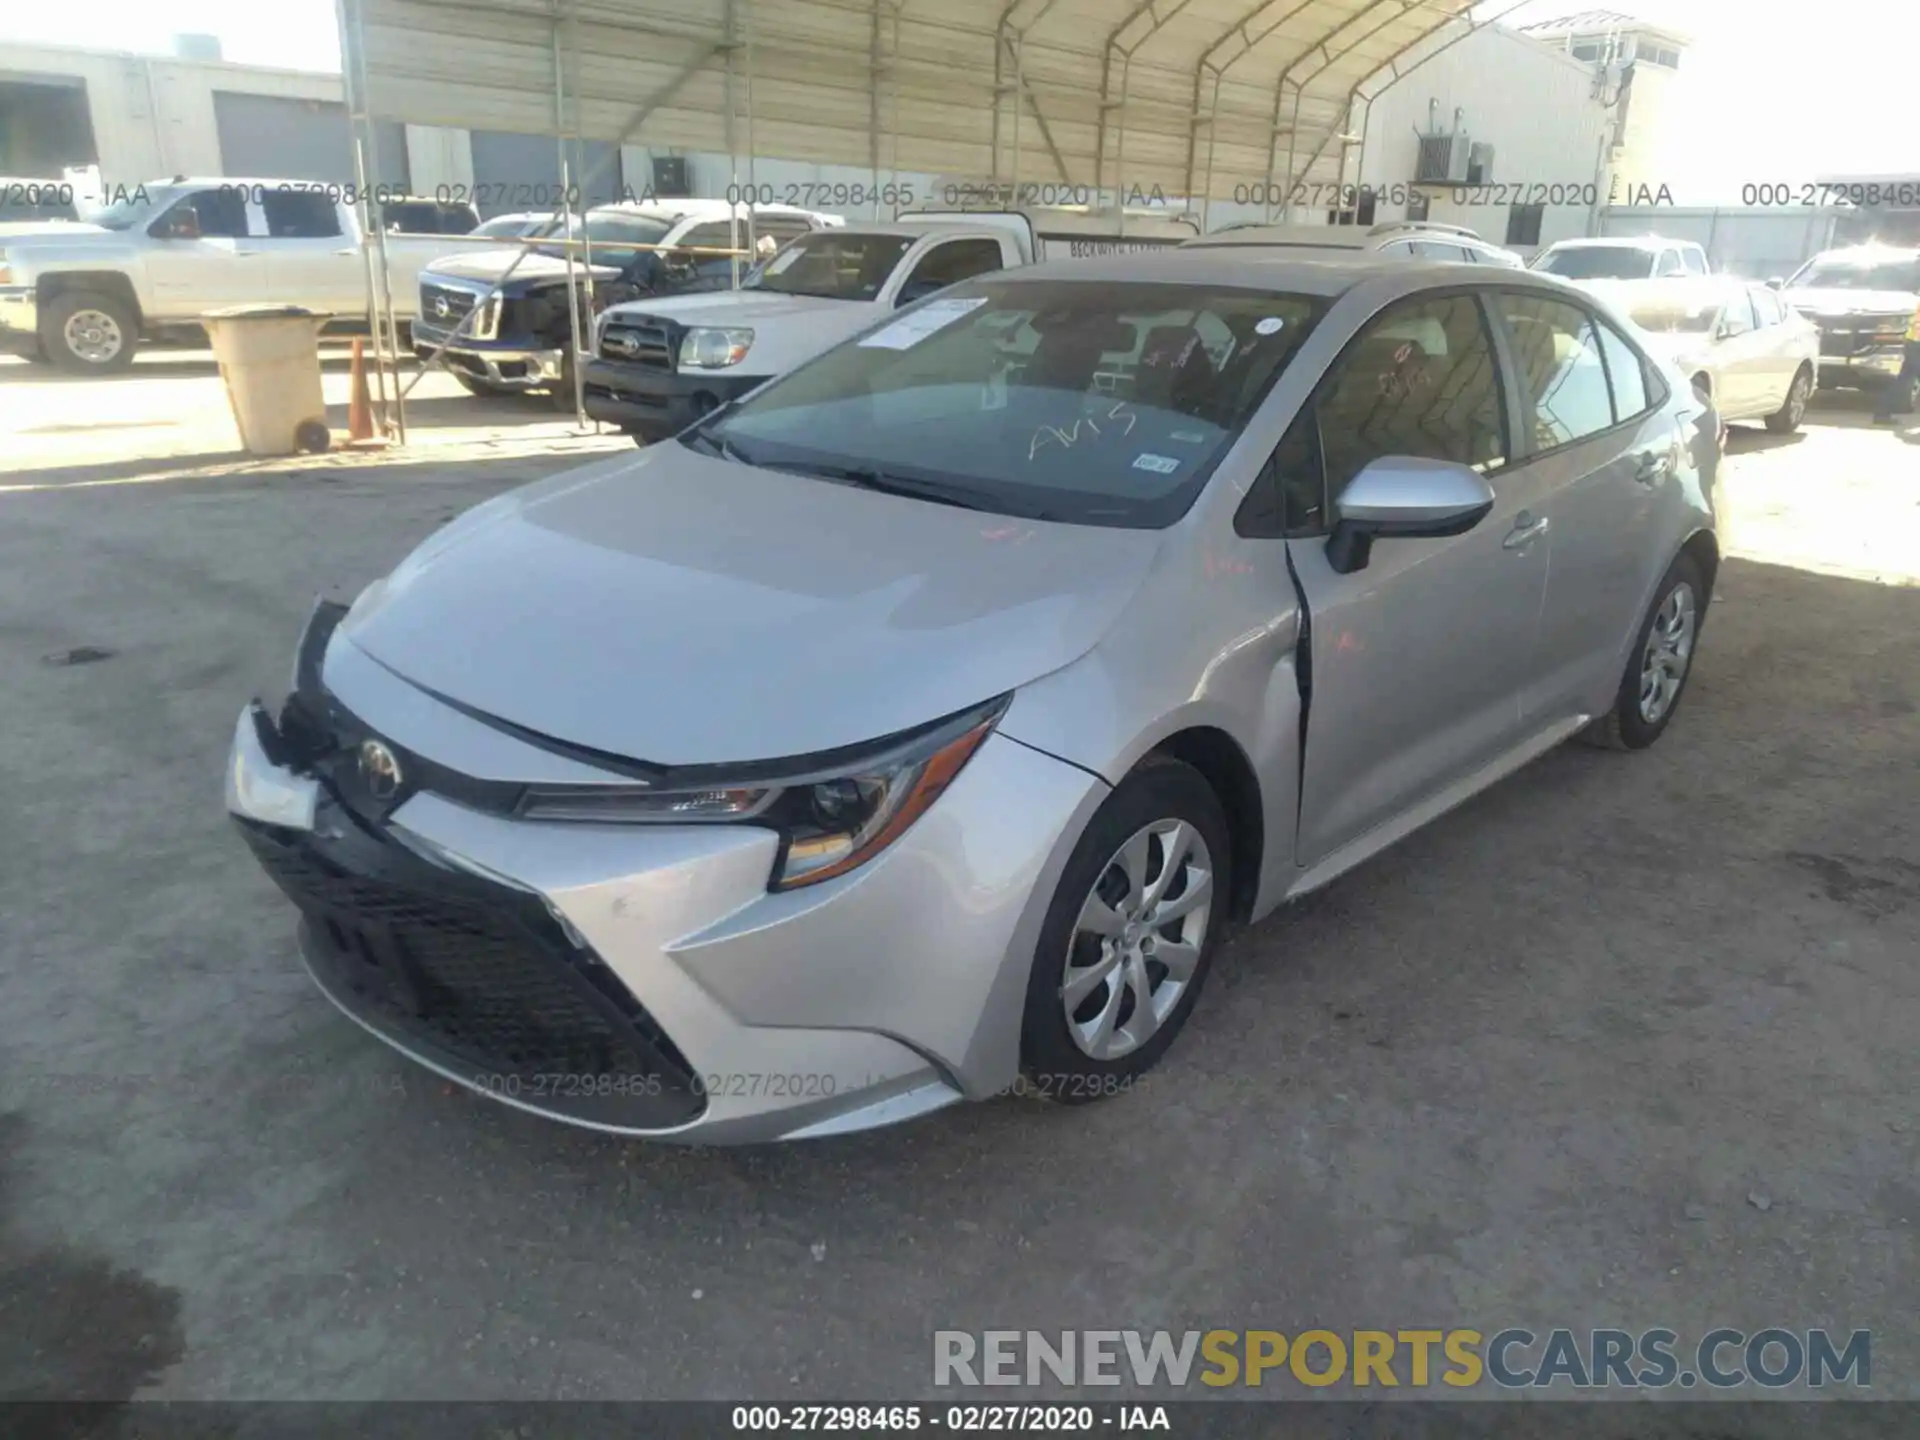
x: 913, y: 728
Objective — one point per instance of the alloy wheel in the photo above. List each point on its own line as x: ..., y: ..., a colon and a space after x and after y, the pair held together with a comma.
x: 1663, y: 666
x: 1138, y: 940
x: 1797, y: 399
x: 93, y: 336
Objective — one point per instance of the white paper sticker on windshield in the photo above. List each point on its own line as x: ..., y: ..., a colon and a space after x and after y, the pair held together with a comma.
x: 1272, y: 325
x: 1159, y: 464
x: 909, y: 330
x: 783, y: 261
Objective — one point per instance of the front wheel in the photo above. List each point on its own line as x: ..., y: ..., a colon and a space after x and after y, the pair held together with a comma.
x: 87, y: 333
x: 1659, y: 664
x: 1793, y: 409
x: 1129, y: 936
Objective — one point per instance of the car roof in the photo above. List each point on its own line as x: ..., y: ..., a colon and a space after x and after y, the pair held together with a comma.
x: 1328, y: 274
x: 1870, y: 253
x: 1620, y: 242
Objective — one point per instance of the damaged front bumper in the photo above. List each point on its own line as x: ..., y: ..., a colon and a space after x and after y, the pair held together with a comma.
x: 640, y: 979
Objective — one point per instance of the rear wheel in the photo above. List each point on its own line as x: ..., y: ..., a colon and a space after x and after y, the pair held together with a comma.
x: 87, y: 333
x: 1660, y: 662
x: 1129, y: 937
x: 1793, y: 410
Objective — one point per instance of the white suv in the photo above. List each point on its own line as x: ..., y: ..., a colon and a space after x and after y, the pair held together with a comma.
x: 1400, y: 239
x: 1623, y: 257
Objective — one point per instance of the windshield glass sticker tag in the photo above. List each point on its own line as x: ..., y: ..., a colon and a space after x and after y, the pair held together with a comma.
x: 909, y: 330
x: 1159, y: 464
x: 1269, y: 326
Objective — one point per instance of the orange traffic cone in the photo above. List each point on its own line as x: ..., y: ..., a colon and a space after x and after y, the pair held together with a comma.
x: 360, y: 428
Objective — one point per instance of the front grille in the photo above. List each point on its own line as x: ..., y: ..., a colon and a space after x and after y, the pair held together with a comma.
x: 638, y: 341
x: 476, y: 976
x: 1857, y: 334
x: 443, y: 307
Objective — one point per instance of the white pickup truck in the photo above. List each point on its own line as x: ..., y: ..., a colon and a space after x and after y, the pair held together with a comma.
x: 658, y: 365
x: 83, y: 295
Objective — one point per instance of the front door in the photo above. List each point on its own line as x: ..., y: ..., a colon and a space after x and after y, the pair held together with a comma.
x: 202, y: 257
x: 1420, y: 658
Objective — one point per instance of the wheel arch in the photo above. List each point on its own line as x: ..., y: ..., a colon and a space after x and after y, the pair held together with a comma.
x: 1225, y: 767
x: 110, y: 283
x: 1704, y: 547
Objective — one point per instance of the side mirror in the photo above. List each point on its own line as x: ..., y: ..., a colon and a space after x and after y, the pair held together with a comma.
x: 1404, y: 497
x: 1776, y: 283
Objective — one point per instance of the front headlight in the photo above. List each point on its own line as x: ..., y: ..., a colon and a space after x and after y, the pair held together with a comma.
x: 831, y: 819
x: 705, y: 349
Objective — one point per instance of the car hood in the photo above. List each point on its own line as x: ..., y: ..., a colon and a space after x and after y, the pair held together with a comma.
x: 492, y: 264
x: 15, y: 232
x: 679, y: 609
x: 1820, y: 303
x: 733, y: 306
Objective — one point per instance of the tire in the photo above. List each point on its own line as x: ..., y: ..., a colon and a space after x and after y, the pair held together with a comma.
x: 105, y: 331
x: 1793, y: 409
x: 1063, y: 1056
x: 1628, y: 726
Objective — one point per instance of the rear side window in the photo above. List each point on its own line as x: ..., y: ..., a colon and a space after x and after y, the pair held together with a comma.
x: 1695, y: 259
x: 1766, y: 307
x: 1562, y: 374
x: 1420, y: 379
x: 300, y: 214
x: 1625, y: 374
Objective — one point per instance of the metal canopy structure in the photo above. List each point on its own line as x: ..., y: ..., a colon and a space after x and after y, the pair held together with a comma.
x: 1192, y: 98
x: 1178, y: 101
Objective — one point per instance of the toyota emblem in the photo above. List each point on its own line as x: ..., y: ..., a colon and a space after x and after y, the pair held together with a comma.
x: 627, y: 344
x: 442, y: 307
x: 379, y: 770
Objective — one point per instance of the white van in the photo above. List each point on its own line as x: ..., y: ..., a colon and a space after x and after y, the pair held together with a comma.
x: 659, y: 365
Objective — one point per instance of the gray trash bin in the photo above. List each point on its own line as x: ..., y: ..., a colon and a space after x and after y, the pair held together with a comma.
x: 270, y: 360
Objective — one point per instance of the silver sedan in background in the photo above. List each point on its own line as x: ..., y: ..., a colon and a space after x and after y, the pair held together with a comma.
x: 913, y: 728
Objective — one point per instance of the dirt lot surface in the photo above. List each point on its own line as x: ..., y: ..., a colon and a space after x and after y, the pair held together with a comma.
x: 1627, y: 1041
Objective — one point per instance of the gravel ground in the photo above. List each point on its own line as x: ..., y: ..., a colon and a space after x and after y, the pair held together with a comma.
x: 1627, y: 1041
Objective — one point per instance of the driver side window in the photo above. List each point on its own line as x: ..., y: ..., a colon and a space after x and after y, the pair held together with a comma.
x: 215, y: 214
x: 948, y: 264
x: 1420, y: 380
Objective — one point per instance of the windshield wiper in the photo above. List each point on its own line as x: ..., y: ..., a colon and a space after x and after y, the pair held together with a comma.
x: 888, y: 483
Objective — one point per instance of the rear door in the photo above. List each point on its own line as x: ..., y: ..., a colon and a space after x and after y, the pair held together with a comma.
x: 1598, y: 454
x: 1419, y: 659
x: 311, y: 259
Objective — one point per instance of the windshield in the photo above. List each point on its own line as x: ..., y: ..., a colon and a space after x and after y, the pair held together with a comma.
x: 831, y: 266
x: 137, y: 208
x: 611, y: 229
x: 1902, y: 275
x: 1675, y: 317
x: 35, y: 200
x: 1088, y: 402
x: 1598, y: 262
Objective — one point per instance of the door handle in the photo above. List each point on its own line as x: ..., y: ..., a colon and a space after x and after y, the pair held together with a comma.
x: 1652, y: 469
x: 1526, y: 530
